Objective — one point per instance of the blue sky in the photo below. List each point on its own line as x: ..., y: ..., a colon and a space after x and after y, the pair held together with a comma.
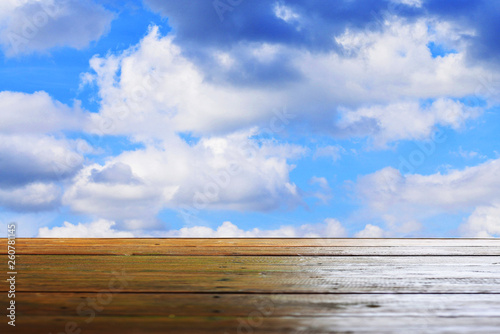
x: 250, y: 118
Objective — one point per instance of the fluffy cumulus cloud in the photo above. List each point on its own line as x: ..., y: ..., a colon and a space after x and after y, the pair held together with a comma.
x: 22, y: 114
x: 32, y: 160
x: 405, y: 197
x: 371, y: 231
x: 155, y: 88
x: 221, y: 24
x: 483, y: 223
x: 329, y: 228
x: 28, y: 26
x: 233, y: 172
x: 98, y: 229
x: 480, y: 17
x: 34, y: 196
x: 408, y: 120
x: 26, y: 159
x: 455, y: 190
x: 31, y: 168
x: 104, y: 229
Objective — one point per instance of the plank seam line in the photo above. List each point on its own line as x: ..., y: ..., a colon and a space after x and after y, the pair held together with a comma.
x: 261, y: 293
x: 290, y: 256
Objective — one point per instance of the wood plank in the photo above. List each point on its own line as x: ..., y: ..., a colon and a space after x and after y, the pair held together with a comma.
x: 81, y: 263
x: 218, y: 264
x: 253, y: 247
x: 275, y: 251
x: 260, y: 314
x: 268, y: 284
x: 261, y: 274
x: 270, y: 242
x: 238, y: 305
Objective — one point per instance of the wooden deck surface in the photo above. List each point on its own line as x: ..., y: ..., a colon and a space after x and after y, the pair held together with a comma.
x: 255, y: 286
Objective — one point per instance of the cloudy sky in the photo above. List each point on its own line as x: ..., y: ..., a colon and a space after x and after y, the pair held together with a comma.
x: 250, y: 118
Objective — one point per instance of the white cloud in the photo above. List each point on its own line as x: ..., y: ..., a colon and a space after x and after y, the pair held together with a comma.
x: 394, y: 227
x: 28, y: 159
x: 30, y: 197
x: 321, y: 181
x: 285, y: 13
x: 158, y: 91
x: 407, y: 120
x: 228, y: 229
x: 333, y: 229
x: 104, y: 229
x: 330, y: 228
x: 401, y: 226
x: 468, y: 154
x: 483, y: 223
x: 404, y: 200
x: 153, y: 89
x: 412, y: 3
x: 333, y: 152
x: 37, y: 113
x: 28, y: 26
x: 325, y: 192
x: 394, y: 65
x: 32, y: 160
x: 98, y: 229
x: 457, y: 190
x: 371, y: 231
x: 231, y: 172
x: 126, y: 200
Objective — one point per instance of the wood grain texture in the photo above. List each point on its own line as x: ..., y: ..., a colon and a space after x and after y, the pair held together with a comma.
x: 261, y: 274
x: 257, y: 247
x: 256, y: 286
x: 241, y: 305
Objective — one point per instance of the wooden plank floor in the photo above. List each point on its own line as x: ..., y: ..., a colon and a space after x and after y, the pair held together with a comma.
x: 255, y: 286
